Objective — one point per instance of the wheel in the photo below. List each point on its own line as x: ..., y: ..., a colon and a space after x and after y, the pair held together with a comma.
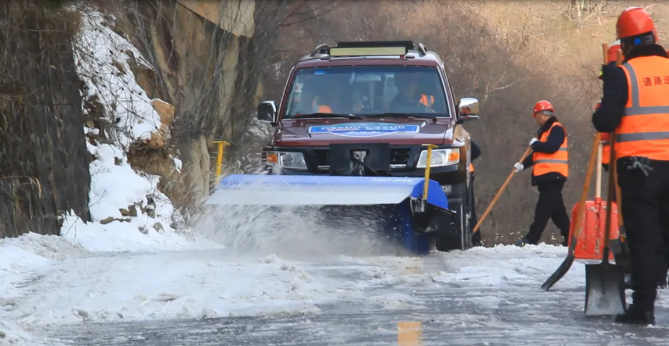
x: 461, y: 239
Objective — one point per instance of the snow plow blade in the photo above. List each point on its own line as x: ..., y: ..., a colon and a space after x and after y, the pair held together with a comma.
x: 604, y: 289
x: 396, y: 201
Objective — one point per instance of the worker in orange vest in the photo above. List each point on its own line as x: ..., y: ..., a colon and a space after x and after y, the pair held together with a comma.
x: 476, y: 237
x: 606, y: 155
x: 636, y: 108
x: 550, y: 168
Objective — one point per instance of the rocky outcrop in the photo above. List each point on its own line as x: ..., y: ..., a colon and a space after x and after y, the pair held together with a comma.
x: 43, y: 157
x: 201, y: 52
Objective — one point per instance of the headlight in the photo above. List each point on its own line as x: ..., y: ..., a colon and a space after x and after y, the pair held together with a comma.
x: 288, y: 159
x: 440, y: 157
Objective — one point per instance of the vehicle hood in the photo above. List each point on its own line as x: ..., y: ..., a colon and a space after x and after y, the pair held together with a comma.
x: 322, y: 132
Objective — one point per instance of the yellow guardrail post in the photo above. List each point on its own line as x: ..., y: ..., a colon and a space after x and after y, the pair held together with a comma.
x: 219, y: 159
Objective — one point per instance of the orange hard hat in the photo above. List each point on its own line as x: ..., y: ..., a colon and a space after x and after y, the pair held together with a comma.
x: 612, y: 53
x: 542, y: 106
x: 634, y: 21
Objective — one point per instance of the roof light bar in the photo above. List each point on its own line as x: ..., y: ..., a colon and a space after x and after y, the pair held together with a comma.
x: 363, y: 51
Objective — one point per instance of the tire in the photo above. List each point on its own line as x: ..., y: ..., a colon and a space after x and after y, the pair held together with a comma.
x: 461, y: 239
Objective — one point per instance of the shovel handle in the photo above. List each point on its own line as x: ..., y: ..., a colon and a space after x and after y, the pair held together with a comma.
x: 598, y: 179
x: 612, y: 161
x: 499, y: 193
x: 613, y: 184
x: 584, y: 192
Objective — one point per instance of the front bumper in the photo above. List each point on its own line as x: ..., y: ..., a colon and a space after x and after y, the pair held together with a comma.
x: 403, y: 162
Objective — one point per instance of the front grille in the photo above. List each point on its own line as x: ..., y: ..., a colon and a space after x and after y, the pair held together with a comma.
x: 398, y: 156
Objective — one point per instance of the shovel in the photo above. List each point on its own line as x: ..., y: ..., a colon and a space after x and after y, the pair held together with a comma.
x: 605, y: 282
x: 569, y: 260
x: 499, y: 192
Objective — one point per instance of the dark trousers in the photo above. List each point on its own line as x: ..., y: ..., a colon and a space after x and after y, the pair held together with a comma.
x: 645, y: 210
x: 550, y: 206
x: 476, y: 237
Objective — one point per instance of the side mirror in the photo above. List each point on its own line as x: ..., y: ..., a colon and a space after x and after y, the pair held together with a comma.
x: 468, y: 108
x: 267, y: 111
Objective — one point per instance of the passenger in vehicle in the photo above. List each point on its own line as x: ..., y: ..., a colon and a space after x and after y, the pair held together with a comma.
x: 408, y: 97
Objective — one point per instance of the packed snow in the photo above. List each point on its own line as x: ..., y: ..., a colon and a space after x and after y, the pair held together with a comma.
x: 48, y: 280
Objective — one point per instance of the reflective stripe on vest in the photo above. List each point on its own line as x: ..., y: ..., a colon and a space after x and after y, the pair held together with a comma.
x: 471, y: 167
x: 424, y: 100
x: 557, y: 162
x: 644, y: 128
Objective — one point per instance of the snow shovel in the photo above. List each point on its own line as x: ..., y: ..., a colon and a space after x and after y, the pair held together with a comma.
x: 590, y: 239
x: 605, y: 282
x: 499, y: 193
x: 619, y: 246
x: 566, y: 264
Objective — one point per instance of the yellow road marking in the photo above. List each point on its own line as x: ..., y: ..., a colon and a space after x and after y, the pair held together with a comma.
x: 409, y: 333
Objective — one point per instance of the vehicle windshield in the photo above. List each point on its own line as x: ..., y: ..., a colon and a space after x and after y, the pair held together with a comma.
x: 367, y: 91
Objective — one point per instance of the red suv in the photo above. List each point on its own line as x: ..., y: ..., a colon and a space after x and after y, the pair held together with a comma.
x: 368, y: 108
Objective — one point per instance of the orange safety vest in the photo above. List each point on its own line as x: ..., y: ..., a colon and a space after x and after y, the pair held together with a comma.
x: 557, y: 162
x: 644, y: 128
x: 427, y: 100
x: 328, y: 109
x: 471, y: 168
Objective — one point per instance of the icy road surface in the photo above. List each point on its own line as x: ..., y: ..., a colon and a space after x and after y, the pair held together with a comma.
x: 205, y: 297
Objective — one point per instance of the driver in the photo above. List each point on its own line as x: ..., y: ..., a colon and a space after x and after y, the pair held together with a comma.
x: 408, y: 97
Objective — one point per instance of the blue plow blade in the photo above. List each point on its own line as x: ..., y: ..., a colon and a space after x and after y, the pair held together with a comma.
x: 393, y: 200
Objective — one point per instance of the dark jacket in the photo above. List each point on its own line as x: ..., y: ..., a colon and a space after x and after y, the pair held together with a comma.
x: 610, y: 113
x: 476, y: 151
x: 552, y: 144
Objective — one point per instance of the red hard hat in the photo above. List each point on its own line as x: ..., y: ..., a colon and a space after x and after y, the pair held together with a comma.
x: 634, y: 21
x: 599, y: 104
x: 612, y: 53
x: 542, y: 105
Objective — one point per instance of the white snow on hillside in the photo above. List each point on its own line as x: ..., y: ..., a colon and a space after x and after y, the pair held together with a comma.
x: 99, y: 53
x: 115, y: 185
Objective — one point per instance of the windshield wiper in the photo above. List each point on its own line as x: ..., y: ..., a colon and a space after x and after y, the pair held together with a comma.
x: 400, y: 115
x: 328, y: 115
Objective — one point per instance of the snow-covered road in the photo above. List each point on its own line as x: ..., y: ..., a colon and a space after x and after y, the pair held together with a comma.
x: 55, y: 288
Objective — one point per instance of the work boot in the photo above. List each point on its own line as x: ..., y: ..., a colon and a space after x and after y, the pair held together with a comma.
x: 635, y: 316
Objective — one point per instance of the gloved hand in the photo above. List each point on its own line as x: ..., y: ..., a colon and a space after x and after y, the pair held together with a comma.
x: 533, y: 140
x: 519, y: 167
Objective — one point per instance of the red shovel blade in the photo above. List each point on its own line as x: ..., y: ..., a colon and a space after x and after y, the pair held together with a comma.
x: 590, y: 242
